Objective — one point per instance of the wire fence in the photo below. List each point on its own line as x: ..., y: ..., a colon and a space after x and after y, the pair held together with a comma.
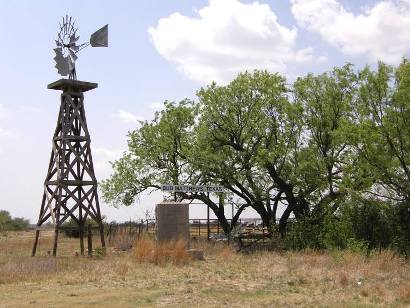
x: 199, y: 228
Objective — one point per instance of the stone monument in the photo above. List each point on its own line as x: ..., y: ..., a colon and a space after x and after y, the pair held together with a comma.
x: 172, y: 219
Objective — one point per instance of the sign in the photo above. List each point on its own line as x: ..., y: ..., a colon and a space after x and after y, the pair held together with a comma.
x: 191, y: 188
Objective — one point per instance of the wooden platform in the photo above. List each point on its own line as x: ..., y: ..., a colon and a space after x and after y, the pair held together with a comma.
x: 74, y: 85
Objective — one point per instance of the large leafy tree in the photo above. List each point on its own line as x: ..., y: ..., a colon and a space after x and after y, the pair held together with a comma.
x: 156, y: 154
x: 161, y: 152
x: 272, y: 145
x: 383, y: 130
x: 311, y: 171
x: 305, y: 148
x: 267, y: 149
x: 245, y: 126
x: 323, y: 163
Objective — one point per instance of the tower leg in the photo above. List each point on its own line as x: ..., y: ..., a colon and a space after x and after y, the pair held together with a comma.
x: 82, y: 240
x: 81, y: 226
x: 90, y: 240
x: 55, y: 242
x: 102, y: 235
x: 33, y: 253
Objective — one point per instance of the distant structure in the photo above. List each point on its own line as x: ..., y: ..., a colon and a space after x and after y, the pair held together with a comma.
x: 70, y: 187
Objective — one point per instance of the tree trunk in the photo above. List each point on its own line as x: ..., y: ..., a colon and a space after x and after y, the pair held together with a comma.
x: 283, y: 221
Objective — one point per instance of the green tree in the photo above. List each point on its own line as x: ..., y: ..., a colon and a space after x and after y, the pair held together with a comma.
x: 160, y: 152
x: 308, y: 148
x: 321, y: 175
x: 382, y: 140
x: 245, y: 127
x: 7, y: 223
x: 383, y: 130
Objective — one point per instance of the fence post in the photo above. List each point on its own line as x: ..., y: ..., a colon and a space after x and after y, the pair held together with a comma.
x: 109, y: 234
x: 199, y: 227
x: 263, y: 231
x: 208, y: 224
x: 90, y: 241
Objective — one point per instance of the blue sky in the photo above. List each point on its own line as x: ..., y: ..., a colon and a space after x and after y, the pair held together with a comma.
x: 162, y: 50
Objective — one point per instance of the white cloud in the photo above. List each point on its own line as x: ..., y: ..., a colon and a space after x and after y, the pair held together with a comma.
x: 6, y: 134
x: 3, y: 111
x: 227, y: 37
x: 381, y: 32
x: 102, y: 158
x: 107, y: 154
x: 127, y: 117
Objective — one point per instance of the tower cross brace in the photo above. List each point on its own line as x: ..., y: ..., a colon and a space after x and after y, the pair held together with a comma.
x: 70, y: 187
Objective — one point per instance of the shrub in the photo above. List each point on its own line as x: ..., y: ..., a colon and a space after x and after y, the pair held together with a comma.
x: 358, y: 225
x: 7, y: 223
x: 330, y: 231
x: 371, y: 223
x: 100, y: 252
x: 400, y: 217
x: 72, y: 228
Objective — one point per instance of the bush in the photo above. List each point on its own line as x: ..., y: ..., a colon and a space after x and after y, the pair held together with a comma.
x: 400, y: 218
x: 360, y: 224
x: 7, y: 223
x: 330, y: 231
x: 73, y: 230
x: 371, y: 222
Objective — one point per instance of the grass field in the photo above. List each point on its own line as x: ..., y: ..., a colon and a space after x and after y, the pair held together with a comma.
x: 225, y: 278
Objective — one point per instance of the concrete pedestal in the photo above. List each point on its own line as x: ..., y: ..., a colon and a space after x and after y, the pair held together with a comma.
x: 172, y: 221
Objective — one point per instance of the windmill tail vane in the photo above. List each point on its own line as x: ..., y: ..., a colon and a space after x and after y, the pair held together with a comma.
x: 67, y: 47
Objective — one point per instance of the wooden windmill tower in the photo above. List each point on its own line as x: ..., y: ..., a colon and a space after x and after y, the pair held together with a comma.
x: 70, y: 187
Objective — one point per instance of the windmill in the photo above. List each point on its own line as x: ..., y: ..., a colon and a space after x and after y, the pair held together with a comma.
x: 67, y: 47
x: 70, y: 187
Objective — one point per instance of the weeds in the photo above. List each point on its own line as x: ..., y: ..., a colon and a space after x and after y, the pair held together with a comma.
x: 343, y: 280
x: 404, y: 293
x: 123, y: 240
x: 308, y: 278
x: 26, y: 269
x: 147, y: 250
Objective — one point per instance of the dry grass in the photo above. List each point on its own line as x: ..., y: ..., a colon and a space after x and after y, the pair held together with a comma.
x: 161, y: 275
x: 404, y: 293
x: 27, y: 270
x: 122, y: 240
x: 344, y: 281
x: 147, y: 250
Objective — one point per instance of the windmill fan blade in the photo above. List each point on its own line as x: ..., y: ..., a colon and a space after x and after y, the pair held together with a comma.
x: 100, y: 37
x: 73, y: 39
x: 61, y: 62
